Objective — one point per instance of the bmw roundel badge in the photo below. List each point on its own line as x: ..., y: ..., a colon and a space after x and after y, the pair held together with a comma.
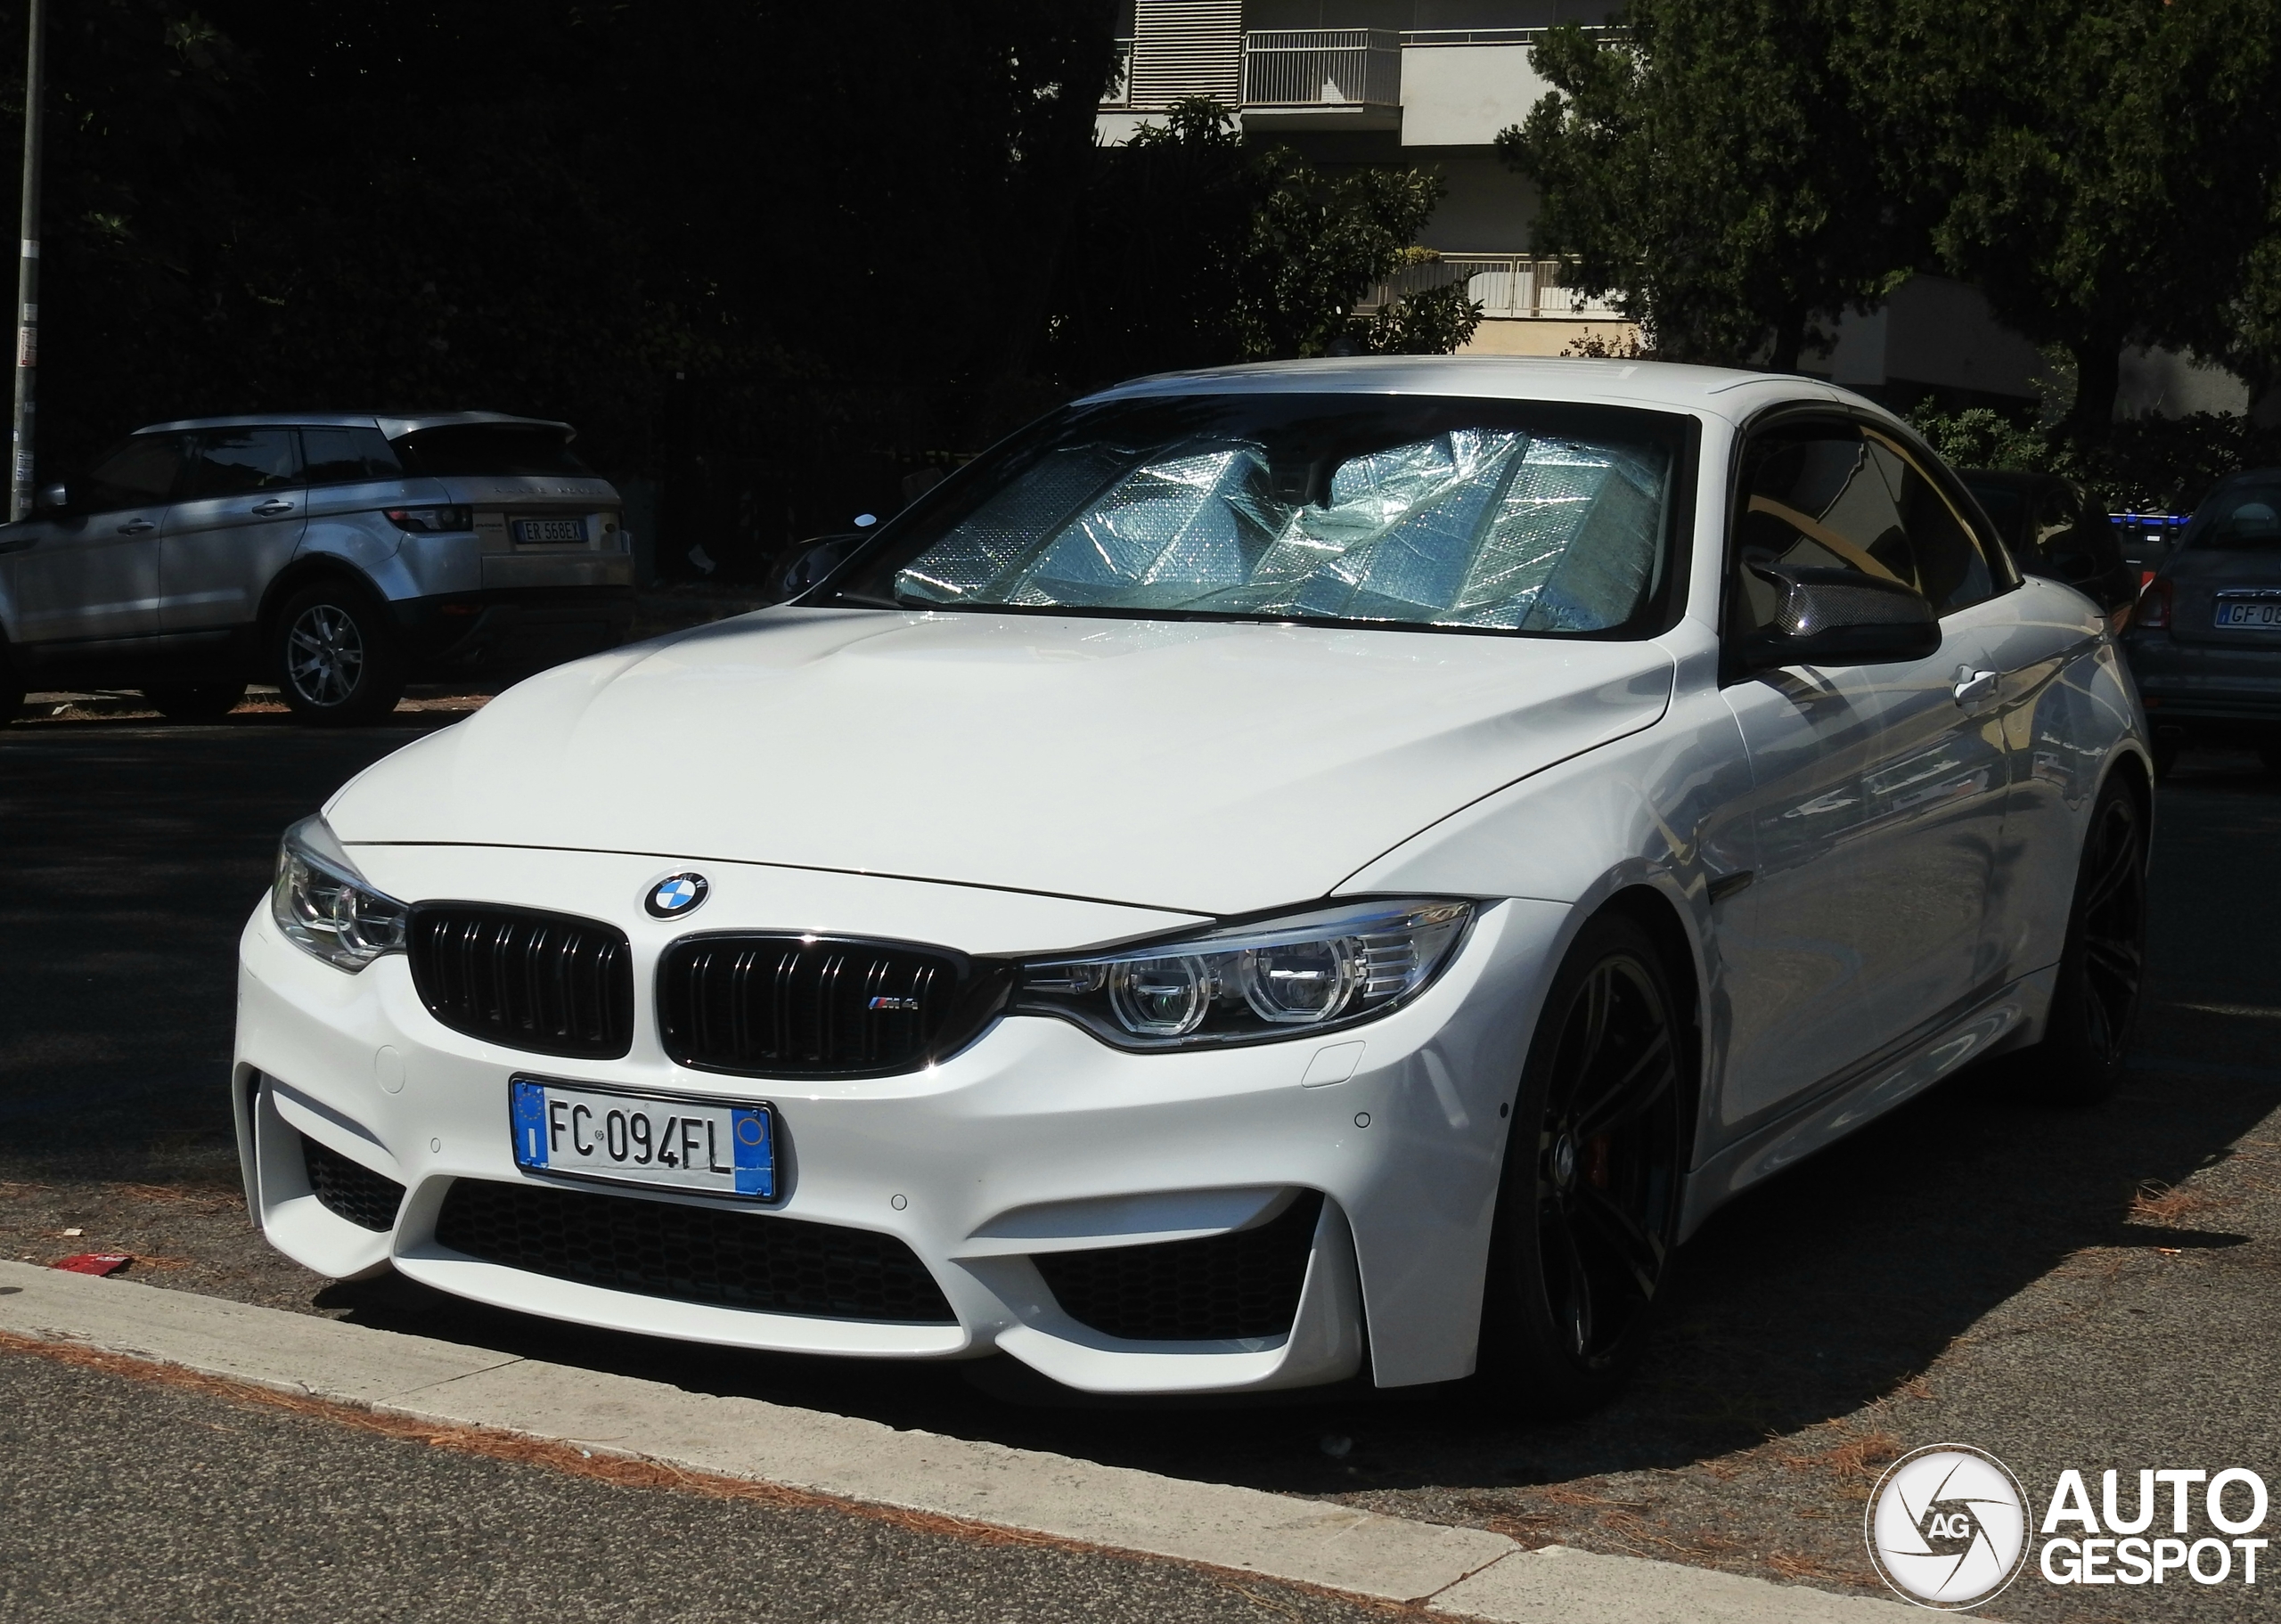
x: 675, y: 895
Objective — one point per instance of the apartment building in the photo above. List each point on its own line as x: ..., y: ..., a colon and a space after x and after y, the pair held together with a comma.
x: 1429, y: 84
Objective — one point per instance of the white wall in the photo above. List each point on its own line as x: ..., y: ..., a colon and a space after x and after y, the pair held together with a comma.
x: 1486, y: 207
x: 1934, y: 331
x: 2167, y: 383
x: 1462, y: 95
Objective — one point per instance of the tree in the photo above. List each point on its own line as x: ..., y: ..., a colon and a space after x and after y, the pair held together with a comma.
x: 1711, y: 169
x: 2107, y: 170
x: 1193, y: 247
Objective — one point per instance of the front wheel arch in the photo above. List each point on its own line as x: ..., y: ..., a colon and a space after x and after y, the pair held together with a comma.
x: 321, y: 570
x: 1595, y: 1162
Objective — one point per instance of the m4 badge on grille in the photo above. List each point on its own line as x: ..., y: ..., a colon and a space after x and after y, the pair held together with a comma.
x: 894, y: 1003
x: 675, y: 895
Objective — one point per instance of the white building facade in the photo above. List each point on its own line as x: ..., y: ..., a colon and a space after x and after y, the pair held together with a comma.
x: 1429, y: 84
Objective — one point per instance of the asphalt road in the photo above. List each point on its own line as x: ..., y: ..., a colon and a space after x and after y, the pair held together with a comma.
x: 240, y: 1512
x: 2090, y: 1288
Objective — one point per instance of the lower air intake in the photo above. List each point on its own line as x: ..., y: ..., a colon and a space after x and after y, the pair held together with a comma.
x: 349, y: 1189
x: 738, y: 1260
x: 1218, y: 1289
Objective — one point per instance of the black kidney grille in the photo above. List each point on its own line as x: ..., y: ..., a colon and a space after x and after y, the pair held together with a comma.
x: 692, y: 1254
x: 349, y: 1189
x: 783, y: 1006
x: 1244, y: 1283
x: 541, y: 982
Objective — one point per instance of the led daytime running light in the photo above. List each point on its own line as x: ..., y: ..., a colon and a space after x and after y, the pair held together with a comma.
x: 1255, y: 983
x: 325, y: 907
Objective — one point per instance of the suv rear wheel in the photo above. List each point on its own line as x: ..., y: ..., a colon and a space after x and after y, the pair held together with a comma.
x: 196, y: 701
x: 336, y: 661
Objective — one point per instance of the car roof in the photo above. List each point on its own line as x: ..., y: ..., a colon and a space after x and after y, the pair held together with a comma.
x: 391, y: 424
x: 1723, y: 392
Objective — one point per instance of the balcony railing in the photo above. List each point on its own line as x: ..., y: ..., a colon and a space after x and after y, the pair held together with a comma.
x: 1504, y: 285
x: 1323, y: 68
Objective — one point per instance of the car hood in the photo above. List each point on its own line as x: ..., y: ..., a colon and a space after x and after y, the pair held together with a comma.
x: 1210, y: 767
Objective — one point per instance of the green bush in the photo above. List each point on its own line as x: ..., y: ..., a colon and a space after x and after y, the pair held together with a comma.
x: 2148, y: 464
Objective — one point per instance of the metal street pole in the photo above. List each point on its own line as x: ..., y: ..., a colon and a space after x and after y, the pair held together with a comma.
x: 19, y: 483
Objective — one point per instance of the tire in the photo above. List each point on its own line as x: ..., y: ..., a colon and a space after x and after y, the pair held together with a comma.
x: 336, y: 661
x: 197, y: 701
x: 2103, y: 965
x: 12, y: 696
x: 1587, y: 1223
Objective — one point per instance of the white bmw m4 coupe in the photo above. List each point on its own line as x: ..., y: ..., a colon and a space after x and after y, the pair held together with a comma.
x: 1267, y: 877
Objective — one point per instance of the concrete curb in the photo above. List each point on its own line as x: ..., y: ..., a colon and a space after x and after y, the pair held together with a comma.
x: 1462, y: 1572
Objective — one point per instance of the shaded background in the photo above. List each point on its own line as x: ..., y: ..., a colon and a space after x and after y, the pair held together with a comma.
x: 772, y: 258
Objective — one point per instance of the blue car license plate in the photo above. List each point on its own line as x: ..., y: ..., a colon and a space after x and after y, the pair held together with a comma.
x: 704, y: 1147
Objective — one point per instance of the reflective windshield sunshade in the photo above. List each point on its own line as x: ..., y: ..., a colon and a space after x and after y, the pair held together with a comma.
x: 1521, y: 517
x: 1467, y: 526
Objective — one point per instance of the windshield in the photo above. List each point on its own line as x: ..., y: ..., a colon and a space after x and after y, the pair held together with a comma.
x: 1391, y: 510
x: 2241, y: 518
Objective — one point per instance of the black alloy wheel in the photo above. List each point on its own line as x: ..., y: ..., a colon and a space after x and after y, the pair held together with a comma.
x: 1589, y: 1212
x: 2103, y: 965
x: 336, y: 662
x: 196, y: 701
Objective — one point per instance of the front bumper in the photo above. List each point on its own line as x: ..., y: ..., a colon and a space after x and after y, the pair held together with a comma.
x: 1036, y: 1139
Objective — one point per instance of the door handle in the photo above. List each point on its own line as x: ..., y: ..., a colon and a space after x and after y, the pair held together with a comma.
x: 274, y: 506
x: 136, y: 526
x: 1974, y: 685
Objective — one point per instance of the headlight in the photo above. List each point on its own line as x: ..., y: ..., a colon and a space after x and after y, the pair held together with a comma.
x: 1251, y: 983
x: 323, y: 904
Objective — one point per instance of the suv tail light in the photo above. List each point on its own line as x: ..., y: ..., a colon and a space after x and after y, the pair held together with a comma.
x: 430, y: 522
x: 2153, y: 610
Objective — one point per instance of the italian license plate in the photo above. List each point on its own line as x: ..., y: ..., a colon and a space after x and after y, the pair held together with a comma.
x: 2250, y: 612
x: 636, y: 1138
x: 532, y: 531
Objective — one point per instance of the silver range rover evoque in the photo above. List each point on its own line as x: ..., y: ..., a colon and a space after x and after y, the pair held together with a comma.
x: 338, y: 556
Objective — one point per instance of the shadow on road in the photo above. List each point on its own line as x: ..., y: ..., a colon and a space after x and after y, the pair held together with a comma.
x: 132, y: 858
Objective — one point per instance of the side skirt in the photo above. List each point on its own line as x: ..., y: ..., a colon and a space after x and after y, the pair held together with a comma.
x: 2007, y: 1018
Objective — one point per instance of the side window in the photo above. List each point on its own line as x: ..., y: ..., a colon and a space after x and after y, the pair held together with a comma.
x: 1812, y: 498
x: 243, y: 461
x: 347, y: 456
x: 1832, y: 497
x: 138, y: 473
x: 1950, y: 568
